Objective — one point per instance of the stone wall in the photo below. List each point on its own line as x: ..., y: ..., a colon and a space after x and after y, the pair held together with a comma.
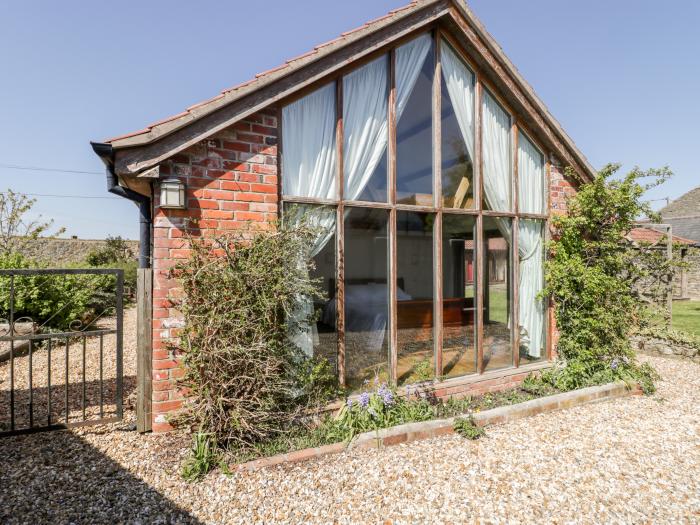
x: 61, y: 252
x: 686, y: 282
x: 656, y: 345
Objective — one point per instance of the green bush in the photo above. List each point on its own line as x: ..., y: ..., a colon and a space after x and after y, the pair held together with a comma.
x: 248, y: 382
x: 116, y: 254
x: 59, y: 302
x: 593, y: 276
x: 467, y: 428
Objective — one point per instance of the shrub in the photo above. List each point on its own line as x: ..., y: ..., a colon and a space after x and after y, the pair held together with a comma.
x: 593, y: 276
x: 55, y: 301
x: 116, y: 254
x: 467, y: 428
x: 114, y: 250
x: 247, y: 381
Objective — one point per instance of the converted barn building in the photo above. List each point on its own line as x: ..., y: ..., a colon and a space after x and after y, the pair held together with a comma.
x: 431, y: 169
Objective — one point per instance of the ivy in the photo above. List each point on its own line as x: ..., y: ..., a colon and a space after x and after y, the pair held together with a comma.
x: 600, y: 281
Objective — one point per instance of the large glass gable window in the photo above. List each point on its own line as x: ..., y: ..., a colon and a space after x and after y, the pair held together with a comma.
x: 431, y: 263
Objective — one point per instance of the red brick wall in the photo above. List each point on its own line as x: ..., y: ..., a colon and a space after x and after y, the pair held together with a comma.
x: 231, y: 182
x: 560, y: 189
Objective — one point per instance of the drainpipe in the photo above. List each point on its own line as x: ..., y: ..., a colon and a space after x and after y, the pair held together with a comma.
x: 106, y: 153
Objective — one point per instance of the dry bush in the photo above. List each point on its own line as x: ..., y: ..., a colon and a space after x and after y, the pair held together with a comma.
x: 247, y: 381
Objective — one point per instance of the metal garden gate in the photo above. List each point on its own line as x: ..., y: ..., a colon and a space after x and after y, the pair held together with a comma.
x: 61, y: 348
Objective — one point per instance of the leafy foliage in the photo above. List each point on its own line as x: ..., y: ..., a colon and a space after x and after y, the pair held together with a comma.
x: 593, y: 276
x: 114, y: 250
x: 16, y: 229
x: 54, y: 301
x: 467, y: 428
x: 116, y: 254
x: 380, y: 407
x: 247, y: 381
x: 203, y: 457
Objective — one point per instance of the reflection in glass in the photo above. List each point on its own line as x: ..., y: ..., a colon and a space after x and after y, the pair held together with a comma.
x: 531, y: 308
x: 414, y: 134
x: 414, y: 296
x: 314, y: 327
x: 497, y: 347
x: 459, y: 295
x: 366, y: 295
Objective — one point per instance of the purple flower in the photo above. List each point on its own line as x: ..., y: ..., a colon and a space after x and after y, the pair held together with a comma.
x: 364, y: 399
x: 386, y: 394
x: 614, y: 364
x: 349, y: 403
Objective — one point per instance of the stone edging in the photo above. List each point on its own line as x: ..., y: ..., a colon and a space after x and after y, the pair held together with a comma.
x: 439, y: 427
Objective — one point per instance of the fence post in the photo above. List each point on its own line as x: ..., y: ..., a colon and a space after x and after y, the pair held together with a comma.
x: 144, y: 348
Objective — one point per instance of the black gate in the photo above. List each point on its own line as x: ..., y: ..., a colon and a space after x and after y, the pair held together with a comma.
x: 61, y: 348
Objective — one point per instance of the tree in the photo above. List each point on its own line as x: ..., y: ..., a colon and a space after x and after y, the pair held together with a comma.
x: 16, y: 229
x: 115, y: 250
x: 593, y: 277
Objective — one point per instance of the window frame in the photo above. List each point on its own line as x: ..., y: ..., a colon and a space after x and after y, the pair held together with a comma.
x: 480, y: 84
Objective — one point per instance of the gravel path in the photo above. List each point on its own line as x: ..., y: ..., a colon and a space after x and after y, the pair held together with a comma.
x: 631, y: 460
x: 40, y: 366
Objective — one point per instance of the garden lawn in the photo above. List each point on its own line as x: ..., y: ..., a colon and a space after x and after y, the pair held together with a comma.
x: 686, y: 316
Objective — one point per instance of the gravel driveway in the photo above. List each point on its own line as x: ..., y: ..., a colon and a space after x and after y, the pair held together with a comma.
x: 631, y: 460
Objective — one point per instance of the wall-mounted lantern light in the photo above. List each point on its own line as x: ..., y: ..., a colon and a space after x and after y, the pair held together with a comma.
x: 172, y: 194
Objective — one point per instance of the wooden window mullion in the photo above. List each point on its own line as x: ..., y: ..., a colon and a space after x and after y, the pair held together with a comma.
x: 340, y: 235
x: 437, y: 191
x: 391, y: 157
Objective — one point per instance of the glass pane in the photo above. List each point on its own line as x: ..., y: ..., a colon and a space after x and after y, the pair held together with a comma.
x: 497, y: 347
x: 459, y: 295
x: 365, y: 130
x: 366, y: 295
x: 317, y: 335
x: 531, y: 179
x: 414, y: 296
x: 309, y: 157
x: 531, y: 308
x: 414, y: 135
x: 497, y: 179
x: 457, y: 131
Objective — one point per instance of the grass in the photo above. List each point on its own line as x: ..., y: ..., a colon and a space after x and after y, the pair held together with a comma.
x: 686, y: 317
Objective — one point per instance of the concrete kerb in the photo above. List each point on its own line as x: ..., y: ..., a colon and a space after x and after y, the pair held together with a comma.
x: 439, y: 427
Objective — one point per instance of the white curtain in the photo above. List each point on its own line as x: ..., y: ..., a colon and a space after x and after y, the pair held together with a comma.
x: 531, y: 196
x: 531, y: 254
x: 409, y: 62
x: 365, y: 127
x: 365, y: 107
x: 496, y: 154
x: 321, y: 219
x: 309, y: 170
x: 308, y: 138
x: 460, y: 86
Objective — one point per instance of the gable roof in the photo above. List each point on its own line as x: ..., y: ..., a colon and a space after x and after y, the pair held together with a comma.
x: 687, y: 205
x: 651, y: 235
x: 688, y: 227
x: 145, y: 148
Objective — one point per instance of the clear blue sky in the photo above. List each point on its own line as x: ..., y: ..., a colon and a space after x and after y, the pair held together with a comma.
x: 623, y: 78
